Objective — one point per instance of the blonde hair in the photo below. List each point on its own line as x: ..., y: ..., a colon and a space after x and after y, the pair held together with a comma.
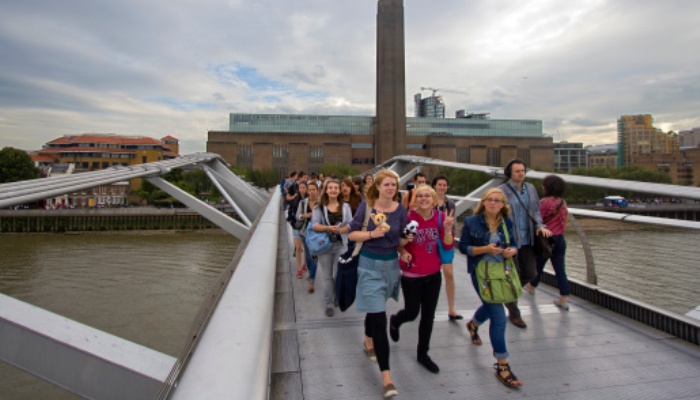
x: 505, y: 211
x: 373, y: 191
x: 427, y: 188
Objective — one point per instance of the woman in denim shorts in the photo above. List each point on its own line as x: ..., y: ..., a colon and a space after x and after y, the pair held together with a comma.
x: 378, y: 273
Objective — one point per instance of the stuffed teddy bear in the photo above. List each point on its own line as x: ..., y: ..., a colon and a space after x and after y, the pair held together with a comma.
x: 380, y: 220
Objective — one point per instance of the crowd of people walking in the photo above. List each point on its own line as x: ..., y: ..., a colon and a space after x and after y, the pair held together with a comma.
x: 404, y: 243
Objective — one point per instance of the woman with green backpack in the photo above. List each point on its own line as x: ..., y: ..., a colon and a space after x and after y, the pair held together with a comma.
x: 489, y: 243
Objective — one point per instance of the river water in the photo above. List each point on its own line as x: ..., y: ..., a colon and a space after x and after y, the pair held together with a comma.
x: 145, y: 287
x: 148, y: 286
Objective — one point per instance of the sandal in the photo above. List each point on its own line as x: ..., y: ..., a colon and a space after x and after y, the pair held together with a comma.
x: 473, y: 329
x: 509, y: 379
x: 300, y: 274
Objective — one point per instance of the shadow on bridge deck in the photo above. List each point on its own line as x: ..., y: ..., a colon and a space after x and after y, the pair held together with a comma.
x: 586, y: 353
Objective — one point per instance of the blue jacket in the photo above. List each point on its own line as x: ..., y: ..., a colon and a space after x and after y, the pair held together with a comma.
x: 475, y: 232
x: 533, y: 209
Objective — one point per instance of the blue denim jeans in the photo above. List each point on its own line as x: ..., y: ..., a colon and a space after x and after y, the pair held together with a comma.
x: 311, y: 262
x: 497, y: 327
x: 329, y: 263
x: 558, y: 256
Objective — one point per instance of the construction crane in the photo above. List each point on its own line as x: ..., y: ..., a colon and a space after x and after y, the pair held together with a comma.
x: 434, y: 90
x: 438, y: 99
x: 429, y: 88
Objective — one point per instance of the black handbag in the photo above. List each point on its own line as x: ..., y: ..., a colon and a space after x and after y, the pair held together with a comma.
x: 543, y: 246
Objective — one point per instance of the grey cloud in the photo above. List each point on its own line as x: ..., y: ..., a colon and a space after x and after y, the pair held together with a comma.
x: 78, y: 61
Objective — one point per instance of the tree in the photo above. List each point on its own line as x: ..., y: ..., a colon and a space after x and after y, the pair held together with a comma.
x: 16, y: 165
x: 463, y: 181
x: 339, y: 171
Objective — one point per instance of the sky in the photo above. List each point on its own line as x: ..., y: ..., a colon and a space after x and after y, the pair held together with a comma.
x: 179, y: 67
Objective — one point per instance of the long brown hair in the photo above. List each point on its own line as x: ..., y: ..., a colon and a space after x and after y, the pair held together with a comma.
x: 355, y: 196
x: 324, y: 199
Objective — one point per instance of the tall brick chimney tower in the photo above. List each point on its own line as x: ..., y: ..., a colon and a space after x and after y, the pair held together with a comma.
x: 390, y: 128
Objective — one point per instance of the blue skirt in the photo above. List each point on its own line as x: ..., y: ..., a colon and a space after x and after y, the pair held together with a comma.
x: 377, y: 281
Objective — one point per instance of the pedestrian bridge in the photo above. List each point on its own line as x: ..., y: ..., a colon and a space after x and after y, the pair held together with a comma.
x: 261, y: 335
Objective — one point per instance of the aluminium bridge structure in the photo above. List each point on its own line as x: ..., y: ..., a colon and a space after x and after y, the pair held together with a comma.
x: 289, y: 350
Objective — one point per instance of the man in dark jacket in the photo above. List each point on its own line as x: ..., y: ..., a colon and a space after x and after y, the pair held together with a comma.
x: 524, y: 203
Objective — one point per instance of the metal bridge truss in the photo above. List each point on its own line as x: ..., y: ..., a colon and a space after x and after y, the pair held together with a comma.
x: 407, y: 166
x: 244, y: 198
x: 233, y: 336
x: 87, y: 361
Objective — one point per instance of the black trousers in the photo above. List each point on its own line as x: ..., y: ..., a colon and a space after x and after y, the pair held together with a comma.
x: 375, y: 327
x: 420, y: 294
x: 526, y: 263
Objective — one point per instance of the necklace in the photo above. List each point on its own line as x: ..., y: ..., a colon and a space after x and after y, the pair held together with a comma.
x: 382, y: 208
x: 493, y: 227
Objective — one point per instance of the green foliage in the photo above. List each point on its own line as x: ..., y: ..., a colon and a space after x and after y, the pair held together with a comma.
x: 194, y: 182
x: 262, y: 178
x: 639, y: 174
x: 462, y: 181
x: 589, y: 194
x: 339, y: 171
x: 16, y: 165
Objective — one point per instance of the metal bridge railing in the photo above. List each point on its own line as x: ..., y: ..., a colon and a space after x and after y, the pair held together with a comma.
x: 656, y: 265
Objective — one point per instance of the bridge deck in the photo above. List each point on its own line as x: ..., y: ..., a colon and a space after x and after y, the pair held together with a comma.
x: 586, y: 353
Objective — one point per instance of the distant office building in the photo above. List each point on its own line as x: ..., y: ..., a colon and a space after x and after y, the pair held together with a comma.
x: 636, y: 136
x: 429, y: 107
x: 307, y: 142
x: 683, y: 167
x: 569, y: 156
x: 690, y: 138
x: 602, y: 156
x: 90, y: 152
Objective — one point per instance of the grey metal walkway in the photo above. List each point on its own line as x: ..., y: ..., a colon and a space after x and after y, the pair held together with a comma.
x: 587, y: 353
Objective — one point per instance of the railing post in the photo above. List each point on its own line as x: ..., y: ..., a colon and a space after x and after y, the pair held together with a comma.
x: 590, y: 264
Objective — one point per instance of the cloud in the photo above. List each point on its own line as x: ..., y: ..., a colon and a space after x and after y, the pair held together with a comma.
x: 180, y: 67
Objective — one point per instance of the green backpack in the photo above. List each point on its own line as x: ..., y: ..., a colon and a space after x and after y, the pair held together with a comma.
x: 498, y: 281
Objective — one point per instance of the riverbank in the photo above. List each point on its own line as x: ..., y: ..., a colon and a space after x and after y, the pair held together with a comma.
x: 107, y: 219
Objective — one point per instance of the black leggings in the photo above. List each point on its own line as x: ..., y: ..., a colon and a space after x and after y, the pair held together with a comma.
x: 375, y: 327
x: 420, y: 294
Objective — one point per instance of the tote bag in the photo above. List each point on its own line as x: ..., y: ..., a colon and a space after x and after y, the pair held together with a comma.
x: 318, y: 242
x: 446, y: 256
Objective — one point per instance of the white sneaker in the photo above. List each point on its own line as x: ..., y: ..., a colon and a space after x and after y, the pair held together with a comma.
x: 563, y: 306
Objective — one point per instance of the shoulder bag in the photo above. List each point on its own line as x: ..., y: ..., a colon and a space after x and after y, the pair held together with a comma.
x: 318, y: 242
x: 542, y: 245
x: 300, y: 223
x: 499, y: 282
x: 346, y: 276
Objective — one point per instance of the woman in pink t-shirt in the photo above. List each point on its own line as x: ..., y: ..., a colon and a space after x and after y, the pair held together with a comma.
x: 554, y: 215
x: 420, y: 270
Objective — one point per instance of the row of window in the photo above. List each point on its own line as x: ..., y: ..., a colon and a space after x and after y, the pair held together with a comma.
x: 99, y: 165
